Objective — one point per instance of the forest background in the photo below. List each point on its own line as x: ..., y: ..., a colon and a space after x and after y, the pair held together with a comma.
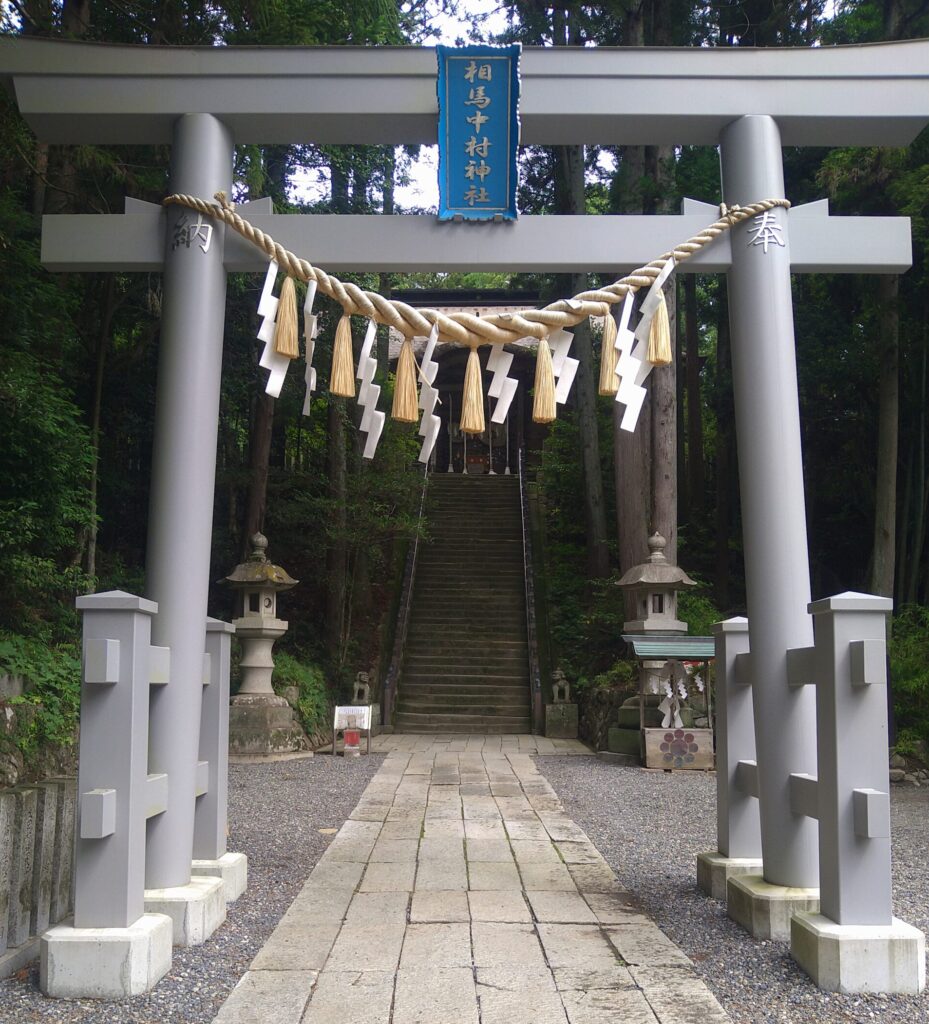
x: 78, y: 359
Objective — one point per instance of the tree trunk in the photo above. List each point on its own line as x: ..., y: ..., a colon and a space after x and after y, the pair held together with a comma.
x: 259, y: 463
x: 103, y: 339
x: 725, y: 449
x: 337, y: 555
x: 570, y: 198
x: 696, y: 479
x: 885, y: 497
x: 275, y: 161
x: 663, y: 387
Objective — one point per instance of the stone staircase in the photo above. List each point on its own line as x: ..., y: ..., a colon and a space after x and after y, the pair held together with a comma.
x: 466, y: 661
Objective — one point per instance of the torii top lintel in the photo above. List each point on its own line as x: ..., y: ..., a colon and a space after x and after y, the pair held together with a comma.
x: 71, y: 92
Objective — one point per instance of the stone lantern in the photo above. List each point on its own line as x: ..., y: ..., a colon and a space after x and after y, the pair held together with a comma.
x: 654, y: 727
x: 653, y: 586
x: 260, y: 722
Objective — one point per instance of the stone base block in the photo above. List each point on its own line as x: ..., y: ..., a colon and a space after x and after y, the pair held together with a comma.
x: 232, y: 868
x: 561, y: 721
x: 17, y: 957
x: 860, y: 958
x: 621, y: 740
x: 105, y: 963
x: 263, y: 724
x: 623, y: 760
x: 196, y: 909
x: 714, y: 871
x: 764, y: 910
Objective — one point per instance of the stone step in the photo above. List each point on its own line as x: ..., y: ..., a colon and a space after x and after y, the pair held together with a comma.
x: 479, y: 659
x: 466, y: 660
x: 431, y: 629
x: 493, y: 724
x: 478, y: 704
x: 463, y: 654
x: 464, y: 678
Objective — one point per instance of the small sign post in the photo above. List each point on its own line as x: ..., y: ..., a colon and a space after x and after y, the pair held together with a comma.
x: 478, y: 91
x: 352, y: 717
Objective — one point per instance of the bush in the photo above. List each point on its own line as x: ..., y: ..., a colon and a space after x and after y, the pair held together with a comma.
x: 53, y: 698
x: 909, y: 672
x: 313, y: 703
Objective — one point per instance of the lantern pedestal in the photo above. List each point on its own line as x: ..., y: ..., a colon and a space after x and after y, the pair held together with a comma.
x: 262, y: 724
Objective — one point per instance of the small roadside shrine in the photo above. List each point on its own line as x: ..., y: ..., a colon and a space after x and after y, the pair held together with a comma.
x: 667, y: 655
x: 812, y: 813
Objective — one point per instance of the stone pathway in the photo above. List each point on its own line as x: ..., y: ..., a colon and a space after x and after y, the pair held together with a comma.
x: 460, y: 892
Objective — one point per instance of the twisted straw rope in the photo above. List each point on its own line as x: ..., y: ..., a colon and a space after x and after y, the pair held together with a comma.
x: 466, y: 328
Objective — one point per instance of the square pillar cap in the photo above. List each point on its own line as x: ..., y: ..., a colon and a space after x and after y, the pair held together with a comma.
x: 116, y: 601
x: 218, y: 626
x: 851, y: 601
x: 737, y: 624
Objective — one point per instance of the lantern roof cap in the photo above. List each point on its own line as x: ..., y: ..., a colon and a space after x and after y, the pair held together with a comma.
x: 657, y: 571
x: 258, y: 570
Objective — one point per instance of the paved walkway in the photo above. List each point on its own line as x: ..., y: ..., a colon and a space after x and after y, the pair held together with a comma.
x: 460, y: 892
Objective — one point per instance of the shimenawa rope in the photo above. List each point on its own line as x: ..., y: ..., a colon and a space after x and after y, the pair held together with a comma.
x: 466, y: 328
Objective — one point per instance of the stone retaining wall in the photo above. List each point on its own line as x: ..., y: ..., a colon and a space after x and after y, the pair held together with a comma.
x: 36, y: 866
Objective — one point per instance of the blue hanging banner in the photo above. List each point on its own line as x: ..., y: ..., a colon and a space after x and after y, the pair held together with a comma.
x: 478, y: 91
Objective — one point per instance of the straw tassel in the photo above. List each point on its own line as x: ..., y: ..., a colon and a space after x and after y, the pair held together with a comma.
x: 543, y: 405
x: 659, y: 335
x: 608, y: 383
x: 342, y: 376
x: 406, y: 401
x: 472, y: 403
x: 286, y: 329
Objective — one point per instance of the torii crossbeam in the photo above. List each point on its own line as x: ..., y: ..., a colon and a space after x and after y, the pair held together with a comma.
x: 749, y: 102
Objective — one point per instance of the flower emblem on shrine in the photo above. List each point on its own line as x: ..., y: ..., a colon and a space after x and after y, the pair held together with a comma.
x: 679, y: 748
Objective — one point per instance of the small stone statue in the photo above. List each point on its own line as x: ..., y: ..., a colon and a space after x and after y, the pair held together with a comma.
x: 561, y: 688
x: 362, y: 689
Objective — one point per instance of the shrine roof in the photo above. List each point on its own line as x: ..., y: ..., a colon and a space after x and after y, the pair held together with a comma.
x: 682, y: 647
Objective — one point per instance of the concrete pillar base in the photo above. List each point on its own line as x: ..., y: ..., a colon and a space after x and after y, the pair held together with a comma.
x: 764, y: 910
x: 860, y: 958
x: 232, y: 868
x: 105, y: 963
x: 196, y: 909
x: 714, y: 871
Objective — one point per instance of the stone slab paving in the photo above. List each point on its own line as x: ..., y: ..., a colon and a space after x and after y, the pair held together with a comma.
x: 460, y: 892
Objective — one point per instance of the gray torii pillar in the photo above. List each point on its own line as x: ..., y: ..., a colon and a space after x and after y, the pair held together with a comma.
x: 764, y: 375
x: 183, y: 473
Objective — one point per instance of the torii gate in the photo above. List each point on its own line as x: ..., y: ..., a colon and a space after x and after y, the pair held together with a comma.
x: 749, y: 102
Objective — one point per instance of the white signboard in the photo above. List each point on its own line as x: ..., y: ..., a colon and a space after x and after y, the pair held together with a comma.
x: 352, y: 717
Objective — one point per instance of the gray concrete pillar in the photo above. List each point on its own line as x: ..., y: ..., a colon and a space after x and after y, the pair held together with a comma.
x: 738, y: 829
x: 183, y: 474
x: 211, y: 812
x: 109, y: 864
x: 771, y: 477
x: 854, y: 786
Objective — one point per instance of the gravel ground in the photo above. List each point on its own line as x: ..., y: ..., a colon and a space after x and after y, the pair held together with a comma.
x: 276, y: 811
x: 651, y: 825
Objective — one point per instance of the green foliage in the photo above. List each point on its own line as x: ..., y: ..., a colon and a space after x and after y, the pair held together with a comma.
x: 622, y: 676
x: 909, y: 672
x: 313, y: 703
x: 696, y: 608
x: 53, y: 677
x: 44, y: 464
